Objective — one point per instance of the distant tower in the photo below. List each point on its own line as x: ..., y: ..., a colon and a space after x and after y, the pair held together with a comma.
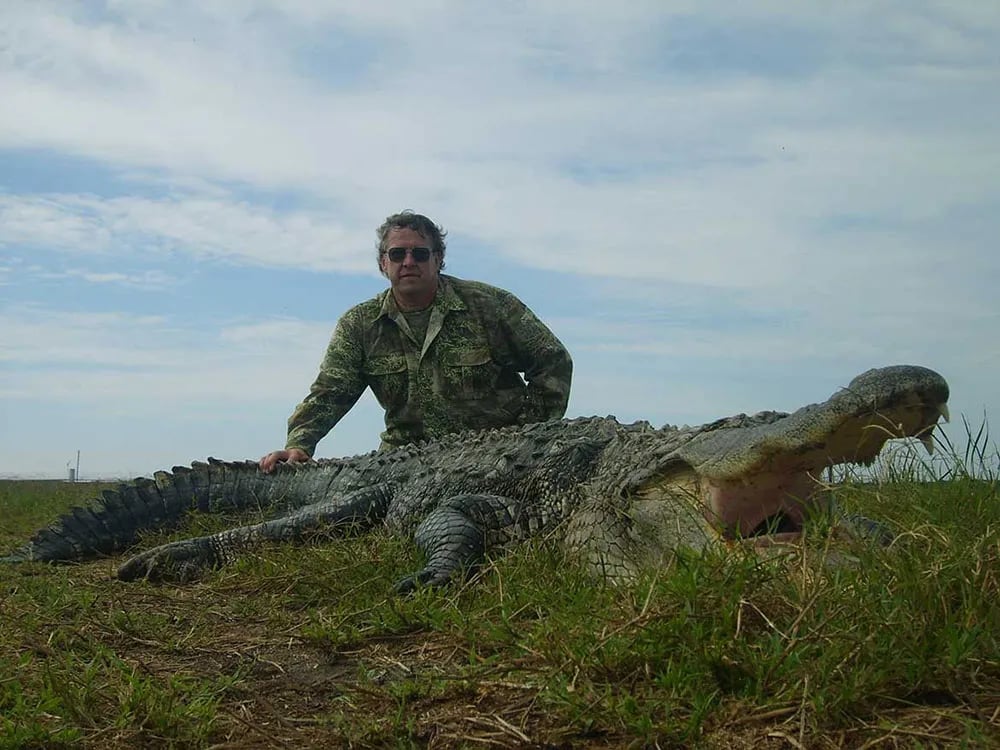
x: 74, y: 474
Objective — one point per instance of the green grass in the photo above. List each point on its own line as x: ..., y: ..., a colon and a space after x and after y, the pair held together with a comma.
x: 302, y: 646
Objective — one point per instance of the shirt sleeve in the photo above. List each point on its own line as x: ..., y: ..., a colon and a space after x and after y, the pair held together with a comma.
x: 337, y: 387
x: 545, y: 362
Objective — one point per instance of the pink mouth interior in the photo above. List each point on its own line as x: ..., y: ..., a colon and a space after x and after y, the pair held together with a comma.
x: 779, y: 501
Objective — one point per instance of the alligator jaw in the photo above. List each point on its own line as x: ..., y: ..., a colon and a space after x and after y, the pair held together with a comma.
x: 908, y: 420
x: 744, y: 478
x: 805, y: 442
x: 786, y: 485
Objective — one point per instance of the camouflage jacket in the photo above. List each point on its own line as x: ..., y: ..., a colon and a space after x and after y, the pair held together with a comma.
x: 465, y: 374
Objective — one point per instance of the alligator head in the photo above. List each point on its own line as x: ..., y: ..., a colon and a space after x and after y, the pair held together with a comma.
x: 754, y: 477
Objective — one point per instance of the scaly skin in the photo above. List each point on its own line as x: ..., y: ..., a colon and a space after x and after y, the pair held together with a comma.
x: 620, y: 496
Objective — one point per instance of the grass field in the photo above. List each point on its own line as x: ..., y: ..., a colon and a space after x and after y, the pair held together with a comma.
x: 302, y: 646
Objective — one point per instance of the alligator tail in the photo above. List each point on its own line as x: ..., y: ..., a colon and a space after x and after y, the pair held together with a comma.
x: 114, y: 521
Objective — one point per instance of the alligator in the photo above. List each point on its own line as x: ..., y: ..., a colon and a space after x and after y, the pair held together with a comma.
x: 620, y: 496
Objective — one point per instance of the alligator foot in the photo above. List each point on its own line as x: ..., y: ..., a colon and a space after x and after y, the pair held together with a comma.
x: 182, y: 562
x: 453, y: 537
x: 423, y: 578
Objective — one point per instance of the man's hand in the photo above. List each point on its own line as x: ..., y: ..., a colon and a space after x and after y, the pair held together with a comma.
x: 294, y: 456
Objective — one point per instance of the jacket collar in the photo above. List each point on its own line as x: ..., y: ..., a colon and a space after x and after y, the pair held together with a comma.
x: 445, y: 300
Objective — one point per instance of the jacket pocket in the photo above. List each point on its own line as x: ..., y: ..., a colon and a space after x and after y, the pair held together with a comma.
x: 468, y: 374
x: 387, y: 377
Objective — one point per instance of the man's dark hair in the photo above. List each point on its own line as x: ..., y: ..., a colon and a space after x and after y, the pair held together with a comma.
x: 419, y: 224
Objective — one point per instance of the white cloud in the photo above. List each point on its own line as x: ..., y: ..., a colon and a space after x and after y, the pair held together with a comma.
x: 145, y: 280
x: 49, y: 222
x: 119, y: 354
x: 204, y: 228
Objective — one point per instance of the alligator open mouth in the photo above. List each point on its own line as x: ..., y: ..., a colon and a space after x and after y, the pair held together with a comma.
x: 764, y: 503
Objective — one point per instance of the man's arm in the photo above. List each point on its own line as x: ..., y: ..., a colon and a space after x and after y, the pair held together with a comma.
x: 545, y: 362
x: 337, y: 387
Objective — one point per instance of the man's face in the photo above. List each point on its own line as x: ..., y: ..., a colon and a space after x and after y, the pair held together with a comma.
x: 408, y: 275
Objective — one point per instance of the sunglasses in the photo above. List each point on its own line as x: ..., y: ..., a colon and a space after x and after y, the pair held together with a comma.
x: 398, y: 254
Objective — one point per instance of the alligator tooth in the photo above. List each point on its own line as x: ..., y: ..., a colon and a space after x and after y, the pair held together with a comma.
x: 928, y: 440
x: 943, y: 409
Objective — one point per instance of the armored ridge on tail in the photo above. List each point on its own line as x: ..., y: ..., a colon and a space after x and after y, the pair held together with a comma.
x: 113, y: 521
x: 624, y: 495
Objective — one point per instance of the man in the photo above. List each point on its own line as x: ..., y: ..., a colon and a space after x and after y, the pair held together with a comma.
x: 441, y: 354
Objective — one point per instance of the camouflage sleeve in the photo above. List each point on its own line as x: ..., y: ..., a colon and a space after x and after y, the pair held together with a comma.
x: 337, y: 387
x: 545, y: 362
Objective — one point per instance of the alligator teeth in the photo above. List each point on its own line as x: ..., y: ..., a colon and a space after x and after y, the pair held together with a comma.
x: 943, y: 409
x: 928, y: 440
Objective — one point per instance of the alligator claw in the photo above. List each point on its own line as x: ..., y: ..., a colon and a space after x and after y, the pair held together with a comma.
x: 425, y: 578
x: 181, y: 562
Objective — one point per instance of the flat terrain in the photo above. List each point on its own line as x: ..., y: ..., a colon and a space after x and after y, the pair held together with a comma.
x: 303, y: 646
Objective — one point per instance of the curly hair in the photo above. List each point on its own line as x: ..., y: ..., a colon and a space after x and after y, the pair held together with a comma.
x: 418, y: 223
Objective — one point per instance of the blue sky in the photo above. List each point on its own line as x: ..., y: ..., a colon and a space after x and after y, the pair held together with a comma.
x: 718, y: 209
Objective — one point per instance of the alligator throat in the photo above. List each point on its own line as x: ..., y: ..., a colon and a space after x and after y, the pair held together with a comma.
x: 742, y: 507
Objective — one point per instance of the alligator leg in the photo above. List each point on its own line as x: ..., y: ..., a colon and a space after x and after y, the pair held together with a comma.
x: 455, y: 536
x: 186, y: 559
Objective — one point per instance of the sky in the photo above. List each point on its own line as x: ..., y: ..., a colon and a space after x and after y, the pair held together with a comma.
x: 717, y: 207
